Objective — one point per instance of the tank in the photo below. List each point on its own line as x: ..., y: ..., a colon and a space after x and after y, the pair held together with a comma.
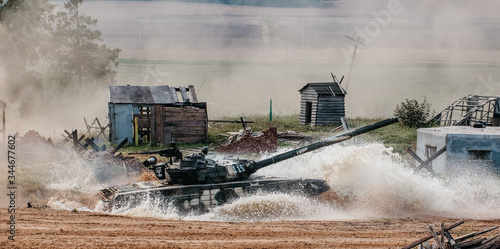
x: 204, y: 180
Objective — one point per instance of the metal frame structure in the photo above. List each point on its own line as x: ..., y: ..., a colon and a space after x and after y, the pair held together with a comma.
x: 467, y: 111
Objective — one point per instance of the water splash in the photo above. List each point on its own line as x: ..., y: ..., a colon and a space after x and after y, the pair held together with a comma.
x: 373, y: 181
x: 68, y: 205
x: 150, y: 207
x: 68, y: 184
x: 74, y: 175
x: 269, y: 207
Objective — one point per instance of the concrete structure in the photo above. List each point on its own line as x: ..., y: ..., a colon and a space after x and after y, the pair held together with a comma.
x: 156, y: 114
x: 322, y: 104
x: 464, y: 146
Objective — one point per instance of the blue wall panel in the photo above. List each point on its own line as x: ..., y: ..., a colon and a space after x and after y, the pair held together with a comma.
x: 121, y: 119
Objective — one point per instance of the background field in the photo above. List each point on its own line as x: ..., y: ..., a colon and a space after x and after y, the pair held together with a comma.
x: 439, y: 51
x: 234, y: 88
x: 240, y: 57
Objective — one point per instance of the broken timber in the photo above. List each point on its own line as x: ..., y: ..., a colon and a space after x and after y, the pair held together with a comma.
x: 420, y: 241
x: 98, y: 127
x: 120, y: 145
x: 90, y: 141
x: 465, y: 241
x: 77, y: 145
x: 73, y: 136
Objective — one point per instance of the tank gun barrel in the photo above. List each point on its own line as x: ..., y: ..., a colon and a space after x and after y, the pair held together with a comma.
x: 253, y: 167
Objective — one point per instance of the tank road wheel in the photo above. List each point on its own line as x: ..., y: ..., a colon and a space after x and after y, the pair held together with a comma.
x: 199, y: 209
x: 225, y: 196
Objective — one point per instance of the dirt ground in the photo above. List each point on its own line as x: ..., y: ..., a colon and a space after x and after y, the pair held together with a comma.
x: 65, y: 229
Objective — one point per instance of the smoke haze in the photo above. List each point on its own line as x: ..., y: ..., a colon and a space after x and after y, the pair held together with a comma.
x: 415, y: 49
x: 240, y: 57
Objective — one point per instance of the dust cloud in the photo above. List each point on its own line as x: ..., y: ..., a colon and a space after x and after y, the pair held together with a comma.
x: 240, y: 57
x: 414, y: 49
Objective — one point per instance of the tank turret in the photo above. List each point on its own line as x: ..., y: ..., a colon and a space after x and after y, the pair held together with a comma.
x: 204, y: 169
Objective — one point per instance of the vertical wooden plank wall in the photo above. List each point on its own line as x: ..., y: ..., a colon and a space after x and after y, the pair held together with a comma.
x: 308, y: 95
x: 186, y: 123
x: 330, y: 110
x: 326, y: 110
x: 157, y: 117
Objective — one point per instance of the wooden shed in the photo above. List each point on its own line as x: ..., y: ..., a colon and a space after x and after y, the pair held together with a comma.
x: 322, y: 103
x: 156, y: 114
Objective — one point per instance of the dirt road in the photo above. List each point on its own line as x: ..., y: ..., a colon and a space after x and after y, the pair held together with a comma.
x: 65, y: 229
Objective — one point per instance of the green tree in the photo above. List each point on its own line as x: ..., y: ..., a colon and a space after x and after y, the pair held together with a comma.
x: 413, y: 114
x: 79, y: 50
x: 43, y: 55
x: 24, y: 28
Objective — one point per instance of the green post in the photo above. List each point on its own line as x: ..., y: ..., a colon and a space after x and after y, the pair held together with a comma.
x: 136, y: 132
x: 271, y: 110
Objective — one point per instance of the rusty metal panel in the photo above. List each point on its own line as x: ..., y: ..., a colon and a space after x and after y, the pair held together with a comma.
x: 141, y: 95
x: 161, y: 95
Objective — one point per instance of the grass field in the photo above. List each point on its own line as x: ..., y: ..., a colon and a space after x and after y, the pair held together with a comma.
x: 395, y: 135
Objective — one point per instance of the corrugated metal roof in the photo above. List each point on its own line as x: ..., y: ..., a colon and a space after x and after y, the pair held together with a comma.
x: 142, y: 95
x: 326, y: 88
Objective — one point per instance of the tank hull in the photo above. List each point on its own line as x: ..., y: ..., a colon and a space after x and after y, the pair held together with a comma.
x: 200, y: 198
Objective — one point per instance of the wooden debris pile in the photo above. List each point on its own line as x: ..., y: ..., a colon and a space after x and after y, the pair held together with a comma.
x: 444, y: 240
x: 247, y: 141
x: 89, y: 150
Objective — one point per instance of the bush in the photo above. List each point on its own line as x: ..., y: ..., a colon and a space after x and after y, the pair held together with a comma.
x: 413, y: 114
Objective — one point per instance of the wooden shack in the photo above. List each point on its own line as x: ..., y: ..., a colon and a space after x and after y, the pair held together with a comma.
x: 156, y: 114
x: 322, y: 103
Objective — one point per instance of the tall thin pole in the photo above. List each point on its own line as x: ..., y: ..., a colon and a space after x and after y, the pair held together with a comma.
x: 358, y: 41
x: 302, y: 35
